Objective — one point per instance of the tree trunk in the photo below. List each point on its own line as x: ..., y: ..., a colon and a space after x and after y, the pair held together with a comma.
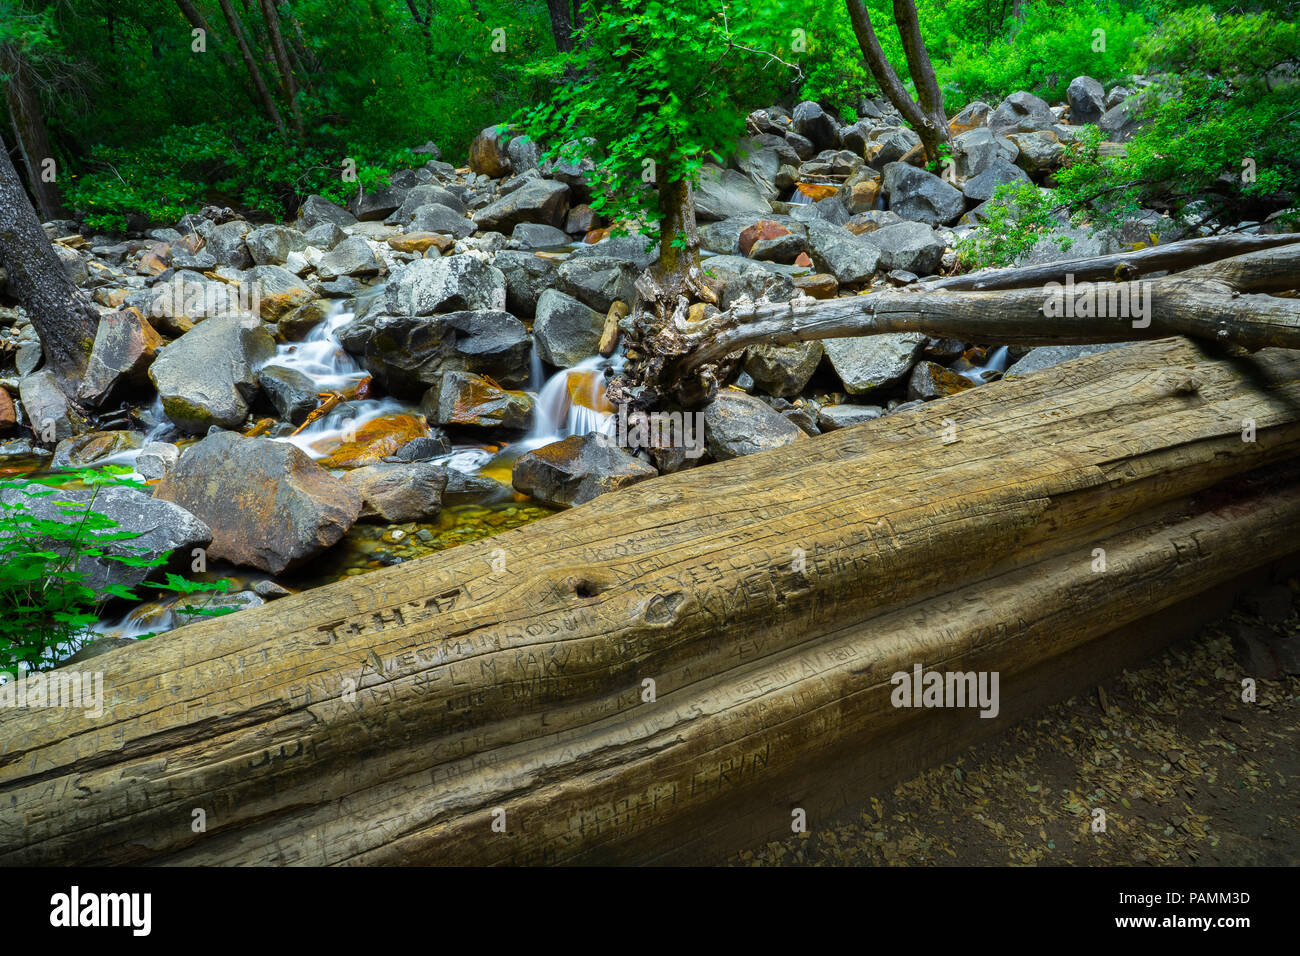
x: 30, y: 134
x: 65, y: 320
x: 668, y: 670
x: 561, y: 24
x: 287, y: 78
x: 927, y: 119
x: 198, y: 21
x: 259, y: 84
x: 1212, y: 302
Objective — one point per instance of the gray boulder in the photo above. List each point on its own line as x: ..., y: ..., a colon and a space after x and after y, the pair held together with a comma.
x: 353, y: 256
x: 868, y: 363
x: 271, y: 245
x: 269, y: 506
x: 911, y: 246
x: 396, y: 492
x: 206, y: 377
x: 737, y: 424
x: 433, y: 217
x: 833, y: 417
x: 538, y: 200
x: 536, y: 235
x: 782, y: 370
x: 425, y: 194
x: 813, y: 123
x: 850, y: 259
x: 1021, y: 113
x: 448, y: 284
x: 566, y: 330
x: 291, y: 392
x: 597, y: 281
x: 1000, y: 172
x: 723, y: 193
x: 1087, y: 100
x: 577, y: 469
x: 49, y: 412
x: 226, y: 244
x: 527, y: 276
x: 921, y: 196
x: 317, y: 209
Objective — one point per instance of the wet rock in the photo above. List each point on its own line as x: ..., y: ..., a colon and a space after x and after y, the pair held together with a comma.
x: 269, y: 506
x: 868, y: 363
x: 425, y: 448
x: 832, y: 417
x: 1021, y: 112
x: 160, y: 526
x: 566, y: 331
x: 930, y: 381
x: 373, y: 441
x: 226, y: 244
x: 407, y: 353
x: 488, y: 154
x: 982, y: 187
x: 539, y: 200
x: 527, y: 276
x: 318, y: 209
x: 291, y: 392
x: 423, y: 195
x: 535, y: 235
x: 156, y: 458
x: 88, y: 448
x: 8, y: 414
x: 294, y: 326
x: 783, y: 370
x: 125, y: 346
x: 353, y: 256
x: 737, y: 424
x: 399, y: 492
x: 1040, y: 153
x: 577, y: 469
x: 724, y: 193
x: 911, y: 246
x: 448, y: 284
x: 439, y: 219
x: 1087, y: 100
x: 48, y: 410
x: 920, y: 196
x: 271, y: 245
x: 279, y: 291
x: 850, y: 259
x: 597, y: 281
x: 206, y: 377
x: 463, y: 398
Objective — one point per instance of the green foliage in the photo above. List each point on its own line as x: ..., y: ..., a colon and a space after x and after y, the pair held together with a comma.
x: 1219, y: 134
x: 1018, y: 215
x: 1056, y: 42
x: 227, y: 163
x: 46, y: 606
x: 663, y: 86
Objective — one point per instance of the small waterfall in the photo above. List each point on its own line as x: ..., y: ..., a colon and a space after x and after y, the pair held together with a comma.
x: 997, y: 362
x: 573, y: 402
x: 320, y: 356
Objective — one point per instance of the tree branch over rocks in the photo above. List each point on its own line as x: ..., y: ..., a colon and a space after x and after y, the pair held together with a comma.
x: 1227, y: 301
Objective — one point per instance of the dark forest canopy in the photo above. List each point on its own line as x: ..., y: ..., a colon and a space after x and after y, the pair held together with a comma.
x: 150, y: 108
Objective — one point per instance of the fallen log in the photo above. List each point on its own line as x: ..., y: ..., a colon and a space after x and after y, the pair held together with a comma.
x: 1225, y: 302
x: 769, y: 599
x: 1171, y: 257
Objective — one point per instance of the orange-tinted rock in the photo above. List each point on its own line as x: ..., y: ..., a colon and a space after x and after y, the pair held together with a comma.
x: 587, y: 390
x: 817, y: 191
x: 86, y: 449
x: 487, y: 154
x: 375, y: 440
x: 111, y: 298
x: 930, y: 380
x: 463, y: 398
x: 597, y: 235
x: 803, y: 260
x: 8, y: 416
x: 156, y: 260
x: 421, y: 241
x: 819, y: 285
x: 763, y: 229
x: 864, y: 195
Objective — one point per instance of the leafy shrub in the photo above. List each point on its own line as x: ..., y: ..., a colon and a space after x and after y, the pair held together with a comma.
x: 1018, y: 215
x: 46, y: 607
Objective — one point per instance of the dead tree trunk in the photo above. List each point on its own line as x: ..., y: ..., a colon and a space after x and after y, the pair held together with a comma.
x: 65, y: 320
x: 259, y: 83
x: 288, y: 81
x: 1228, y: 302
x: 770, y: 599
x: 927, y: 117
x: 30, y: 134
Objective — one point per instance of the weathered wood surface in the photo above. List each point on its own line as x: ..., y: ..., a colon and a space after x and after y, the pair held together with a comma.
x: 960, y: 535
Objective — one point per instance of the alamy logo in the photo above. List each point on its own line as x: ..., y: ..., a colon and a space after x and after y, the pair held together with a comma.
x: 683, y: 430
x: 60, y: 688
x: 1103, y: 300
x: 75, y: 909
x: 923, y: 688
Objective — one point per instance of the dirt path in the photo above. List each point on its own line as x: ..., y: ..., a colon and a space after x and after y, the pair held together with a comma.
x: 1186, y: 772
